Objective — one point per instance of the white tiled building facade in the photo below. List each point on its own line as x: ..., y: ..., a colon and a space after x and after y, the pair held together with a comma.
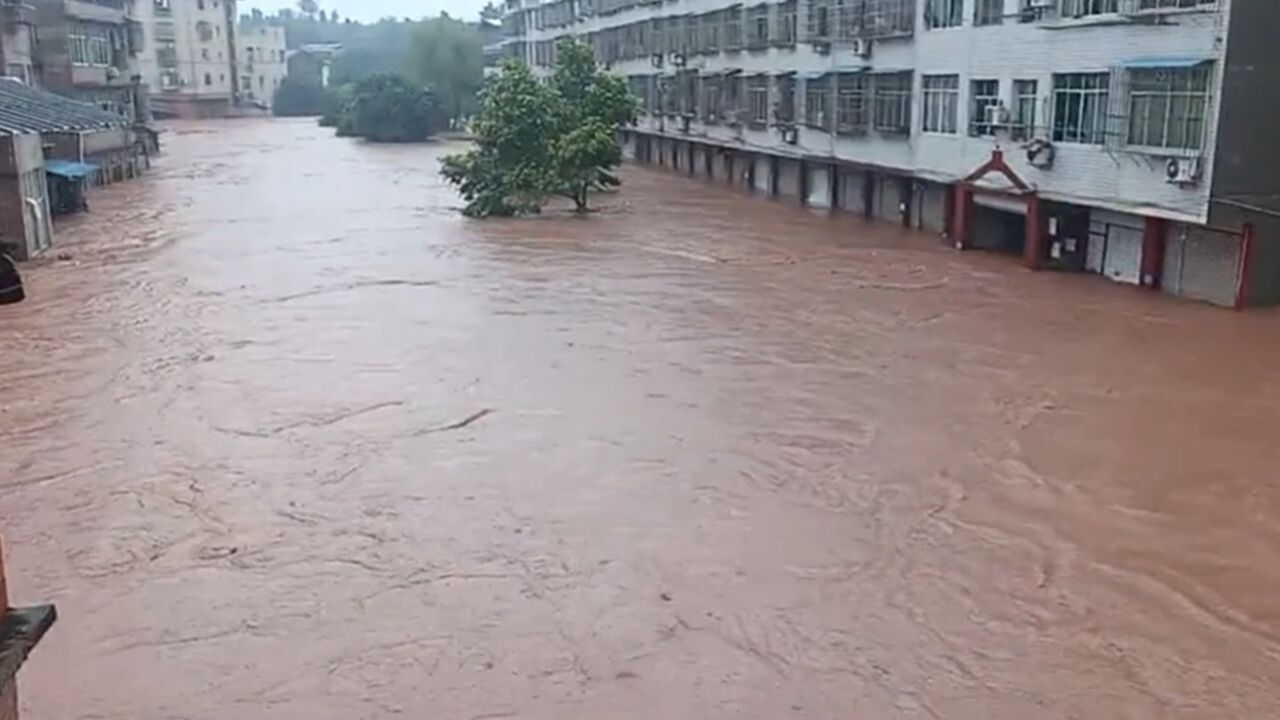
x: 261, y: 52
x: 191, y: 63
x: 1079, y: 134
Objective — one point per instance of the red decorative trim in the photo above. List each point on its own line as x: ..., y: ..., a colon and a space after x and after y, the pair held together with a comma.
x: 997, y: 164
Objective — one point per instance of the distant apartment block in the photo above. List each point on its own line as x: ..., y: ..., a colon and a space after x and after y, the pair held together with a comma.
x: 17, y: 40
x: 1127, y: 138
x: 192, y: 65
x: 261, y: 61
x: 90, y: 50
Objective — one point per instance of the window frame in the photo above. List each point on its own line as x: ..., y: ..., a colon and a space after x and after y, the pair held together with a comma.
x: 1193, y: 141
x: 988, y: 12
x: 940, y: 104
x: 943, y: 14
x: 1094, y: 86
x: 852, y: 116
x: 1025, y: 122
x: 891, y: 105
x: 978, y: 104
x: 817, y: 102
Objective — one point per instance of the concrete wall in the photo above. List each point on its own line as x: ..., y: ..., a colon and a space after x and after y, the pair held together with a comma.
x: 260, y: 51
x: 1115, y: 246
x: 1247, y: 160
x: 1202, y: 264
x: 788, y: 178
x: 819, y: 186
x: 762, y: 174
x: 930, y: 207
x: 25, y: 227
x: 852, y: 187
x: 1118, y: 178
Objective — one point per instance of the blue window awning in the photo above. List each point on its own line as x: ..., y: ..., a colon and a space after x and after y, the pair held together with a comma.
x: 1165, y: 61
x: 68, y: 169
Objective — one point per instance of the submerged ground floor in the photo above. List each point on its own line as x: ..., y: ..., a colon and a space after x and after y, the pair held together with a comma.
x: 1225, y: 266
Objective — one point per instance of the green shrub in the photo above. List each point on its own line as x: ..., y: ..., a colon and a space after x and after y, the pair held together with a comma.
x: 297, y: 98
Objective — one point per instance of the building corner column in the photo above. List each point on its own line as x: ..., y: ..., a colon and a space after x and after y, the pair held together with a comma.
x: 1244, y: 281
x: 1153, y: 248
x: 962, y: 217
x: 1033, y: 248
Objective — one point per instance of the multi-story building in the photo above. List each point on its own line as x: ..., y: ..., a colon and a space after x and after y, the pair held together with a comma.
x: 17, y: 40
x: 1120, y: 137
x: 262, y: 62
x: 191, y: 66
x: 89, y: 50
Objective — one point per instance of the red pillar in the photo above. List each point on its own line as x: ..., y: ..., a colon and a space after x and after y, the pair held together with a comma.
x: 1153, y: 244
x: 962, y: 217
x: 1033, y: 248
x: 1246, y: 266
x: 4, y: 586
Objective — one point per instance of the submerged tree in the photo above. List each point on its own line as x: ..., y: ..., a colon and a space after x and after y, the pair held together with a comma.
x: 447, y: 56
x: 386, y: 108
x: 537, y: 139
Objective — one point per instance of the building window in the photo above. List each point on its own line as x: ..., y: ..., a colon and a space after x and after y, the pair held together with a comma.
x: 943, y: 13
x: 785, y: 33
x: 710, y: 32
x: 758, y: 100
x: 983, y: 94
x: 988, y: 12
x: 851, y: 103
x: 1174, y: 4
x: 1080, y: 107
x: 1167, y: 107
x: 758, y: 27
x: 18, y: 71
x: 1024, y: 106
x: 1085, y: 8
x: 819, y: 20
x: 733, y: 28
x: 199, y: 4
x: 204, y: 54
x: 208, y: 79
x: 204, y: 31
x: 90, y: 45
x: 817, y: 103
x: 710, y: 99
x: 786, y: 109
x: 941, y: 95
x: 892, y: 111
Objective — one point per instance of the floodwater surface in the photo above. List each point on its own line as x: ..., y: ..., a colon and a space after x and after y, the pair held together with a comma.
x: 284, y: 436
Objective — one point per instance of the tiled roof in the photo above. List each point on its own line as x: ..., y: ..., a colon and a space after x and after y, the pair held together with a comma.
x: 25, y: 109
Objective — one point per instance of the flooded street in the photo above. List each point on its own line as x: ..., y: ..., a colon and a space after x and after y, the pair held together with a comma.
x: 284, y: 436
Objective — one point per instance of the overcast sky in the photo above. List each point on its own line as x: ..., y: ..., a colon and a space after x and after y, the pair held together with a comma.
x: 375, y: 9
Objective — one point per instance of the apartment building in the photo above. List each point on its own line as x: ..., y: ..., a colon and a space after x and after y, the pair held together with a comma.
x: 1118, y: 137
x: 89, y: 50
x: 17, y: 40
x: 261, y: 61
x: 192, y: 67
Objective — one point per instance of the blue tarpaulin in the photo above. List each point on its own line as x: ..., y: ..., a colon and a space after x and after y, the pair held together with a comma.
x: 69, y: 169
x: 1165, y: 62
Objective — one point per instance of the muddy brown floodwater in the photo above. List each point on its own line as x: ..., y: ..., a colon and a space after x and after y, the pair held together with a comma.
x: 284, y: 436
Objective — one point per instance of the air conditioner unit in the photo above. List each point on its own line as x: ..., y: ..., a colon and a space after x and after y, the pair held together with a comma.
x: 1183, y: 171
x: 861, y: 47
x: 997, y: 115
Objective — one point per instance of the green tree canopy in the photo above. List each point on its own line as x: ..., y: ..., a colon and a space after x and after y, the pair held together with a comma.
x: 389, y: 108
x: 297, y: 98
x: 536, y: 139
x: 447, y: 56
